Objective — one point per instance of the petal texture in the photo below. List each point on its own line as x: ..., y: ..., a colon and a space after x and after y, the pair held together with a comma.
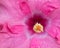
x: 47, y: 42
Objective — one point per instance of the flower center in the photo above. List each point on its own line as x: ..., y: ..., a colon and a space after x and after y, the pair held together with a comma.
x: 38, y: 28
x: 37, y: 23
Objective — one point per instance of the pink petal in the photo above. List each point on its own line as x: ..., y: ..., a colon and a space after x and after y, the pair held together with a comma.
x: 46, y: 42
x: 11, y: 9
x: 55, y: 15
x: 52, y: 30
x: 17, y: 29
x: 5, y: 41
x: 48, y: 7
x: 26, y: 44
x: 24, y: 7
x: 16, y: 37
x: 45, y: 6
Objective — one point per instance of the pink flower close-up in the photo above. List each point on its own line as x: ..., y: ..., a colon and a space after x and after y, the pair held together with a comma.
x: 29, y: 23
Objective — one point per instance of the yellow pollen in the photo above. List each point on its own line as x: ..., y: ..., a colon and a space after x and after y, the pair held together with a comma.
x: 38, y: 28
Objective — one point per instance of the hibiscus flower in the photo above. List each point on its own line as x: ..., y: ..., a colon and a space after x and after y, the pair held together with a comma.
x: 29, y: 24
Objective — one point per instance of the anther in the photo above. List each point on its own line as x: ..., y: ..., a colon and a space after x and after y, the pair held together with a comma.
x: 38, y: 28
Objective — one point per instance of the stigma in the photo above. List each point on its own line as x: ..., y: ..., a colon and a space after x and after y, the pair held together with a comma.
x: 38, y: 28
